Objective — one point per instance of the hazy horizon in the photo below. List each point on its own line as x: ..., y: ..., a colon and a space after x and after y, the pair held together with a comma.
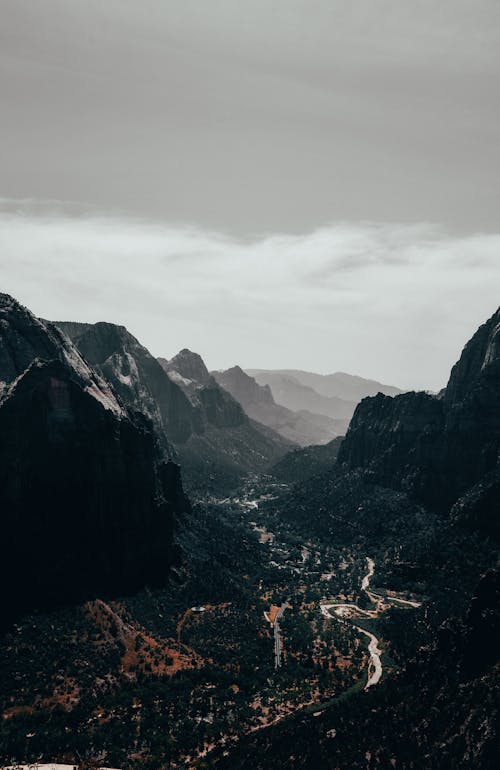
x: 361, y: 302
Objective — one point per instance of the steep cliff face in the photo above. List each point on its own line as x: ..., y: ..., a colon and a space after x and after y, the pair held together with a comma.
x: 216, y: 406
x: 197, y: 422
x: 24, y: 338
x: 137, y: 377
x: 435, y: 448
x: 303, y: 427
x: 87, y: 508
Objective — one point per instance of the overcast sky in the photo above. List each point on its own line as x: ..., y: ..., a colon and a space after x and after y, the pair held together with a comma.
x: 287, y: 183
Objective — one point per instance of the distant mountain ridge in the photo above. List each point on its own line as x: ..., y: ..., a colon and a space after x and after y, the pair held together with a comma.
x: 301, y: 427
x: 348, y: 387
x: 290, y: 392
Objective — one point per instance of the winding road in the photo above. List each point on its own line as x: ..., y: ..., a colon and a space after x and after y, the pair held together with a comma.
x: 343, y: 610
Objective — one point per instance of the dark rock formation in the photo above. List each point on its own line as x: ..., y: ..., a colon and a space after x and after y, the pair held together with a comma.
x: 435, y: 448
x: 137, y: 377
x: 87, y: 507
x: 303, y: 427
x: 190, y: 366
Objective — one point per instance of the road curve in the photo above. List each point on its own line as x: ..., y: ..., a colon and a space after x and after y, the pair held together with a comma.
x: 341, y: 609
x: 374, y: 663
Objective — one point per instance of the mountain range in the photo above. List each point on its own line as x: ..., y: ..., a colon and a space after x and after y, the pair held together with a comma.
x: 332, y: 395
x: 300, y: 427
x: 302, y: 406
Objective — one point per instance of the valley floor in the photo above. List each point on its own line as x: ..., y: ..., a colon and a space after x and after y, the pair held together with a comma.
x: 279, y: 625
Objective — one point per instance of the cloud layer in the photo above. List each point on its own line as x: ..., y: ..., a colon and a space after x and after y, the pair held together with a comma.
x: 391, y: 301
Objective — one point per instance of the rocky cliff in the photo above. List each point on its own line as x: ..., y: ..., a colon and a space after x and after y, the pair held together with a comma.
x: 137, y: 377
x: 87, y: 507
x: 197, y: 422
x: 436, y: 448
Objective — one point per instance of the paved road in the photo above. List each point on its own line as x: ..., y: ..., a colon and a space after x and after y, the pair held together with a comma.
x: 343, y: 610
x: 374, y: 663
x: 278, y: 645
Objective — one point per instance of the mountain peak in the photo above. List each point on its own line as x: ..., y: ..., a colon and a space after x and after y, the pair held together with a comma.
x: 189, y: 365
x: 243, y: 387
x: 479, y: 363
x: 24, y: 338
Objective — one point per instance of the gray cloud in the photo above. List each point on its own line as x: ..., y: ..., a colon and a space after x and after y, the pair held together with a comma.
x: 261, y: 116
x: 391, y: 301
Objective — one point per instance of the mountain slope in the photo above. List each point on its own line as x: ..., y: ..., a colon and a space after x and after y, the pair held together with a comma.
x: 302, y: 464
x: 196, y: 421
x: 227, y: 438
x: 301, y: 427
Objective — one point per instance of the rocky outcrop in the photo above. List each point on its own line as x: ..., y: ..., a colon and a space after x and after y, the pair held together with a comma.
x: 435, y: 448
x: 87, y: 506
x: 188, y: 365
x: 216, y: 406
x: 303, y: 427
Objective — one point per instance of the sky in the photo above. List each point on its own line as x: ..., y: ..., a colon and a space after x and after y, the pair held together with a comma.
x: 276, y: 183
